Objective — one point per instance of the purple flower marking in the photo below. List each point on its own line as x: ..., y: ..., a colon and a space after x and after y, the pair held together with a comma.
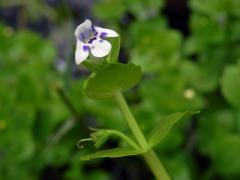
x: 85, y: 48
x: 91, y: 40
x: 88, y: 34
x: 81, y: 37
x: 103, y: 35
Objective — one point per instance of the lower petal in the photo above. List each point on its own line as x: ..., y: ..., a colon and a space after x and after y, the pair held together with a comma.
x: 100, y: 48
x: 81, y: 53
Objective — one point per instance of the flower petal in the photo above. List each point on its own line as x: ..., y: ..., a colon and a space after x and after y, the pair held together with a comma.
x: 81, y: 53
x: 106, y: 32
x: 100, y: 48
x: 83, y: 27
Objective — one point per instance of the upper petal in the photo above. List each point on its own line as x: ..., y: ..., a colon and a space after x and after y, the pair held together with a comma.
x: 100, y: 48
x: 106, y: 32
x: 83, y: 27
x: 81, y: 52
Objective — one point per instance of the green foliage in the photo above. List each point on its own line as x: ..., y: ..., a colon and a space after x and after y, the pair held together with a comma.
x: 112, y: 79
x: 167, y: 92
x: 144, y: 9
x: 231, y: 84
x: 153, y: 46
x: 103, y: 9
x: 226, y: 155
x: 163, y: 127
x: 213, y: 8
x: 39, y: 130
x: 113, y: 153
x: 140, y: 8
x: 31, y: 108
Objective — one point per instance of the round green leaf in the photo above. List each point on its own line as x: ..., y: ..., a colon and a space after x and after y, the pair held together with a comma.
x: 112, y: 79
x: 230, y: 85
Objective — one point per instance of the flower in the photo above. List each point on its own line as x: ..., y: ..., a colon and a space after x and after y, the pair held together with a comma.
x: 91, y: 39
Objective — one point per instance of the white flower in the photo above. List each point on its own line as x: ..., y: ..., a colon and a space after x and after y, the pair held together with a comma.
x: 91, y: 39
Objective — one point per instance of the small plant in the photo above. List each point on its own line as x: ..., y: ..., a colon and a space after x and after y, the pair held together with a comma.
x: 109, y: 79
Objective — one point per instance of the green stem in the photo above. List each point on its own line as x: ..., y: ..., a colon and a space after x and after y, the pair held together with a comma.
x: 155, y: 165
x: 124, y: 137
x: 131, y: 120
x: 63, y: 130
x: 150, y: 156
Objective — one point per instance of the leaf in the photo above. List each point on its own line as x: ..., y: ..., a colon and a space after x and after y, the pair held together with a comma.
x: 112, y: 79
x: 230, y: 85
x: 112, y: 153
x: 163, y: 127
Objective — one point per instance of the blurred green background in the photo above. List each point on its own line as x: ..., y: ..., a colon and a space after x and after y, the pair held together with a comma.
x: 189, y: 52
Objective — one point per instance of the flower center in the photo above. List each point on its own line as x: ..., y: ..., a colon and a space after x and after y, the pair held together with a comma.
x: 88, y: 35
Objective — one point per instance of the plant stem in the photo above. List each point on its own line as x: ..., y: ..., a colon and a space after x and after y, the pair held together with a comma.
x: 124, y: 137
x: 63, y: 130
x: 155, y: 165
x: 150, y: 156
x: 131, y: 120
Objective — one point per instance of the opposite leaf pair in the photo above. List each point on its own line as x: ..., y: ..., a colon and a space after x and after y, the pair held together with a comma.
x: 100, y: 136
